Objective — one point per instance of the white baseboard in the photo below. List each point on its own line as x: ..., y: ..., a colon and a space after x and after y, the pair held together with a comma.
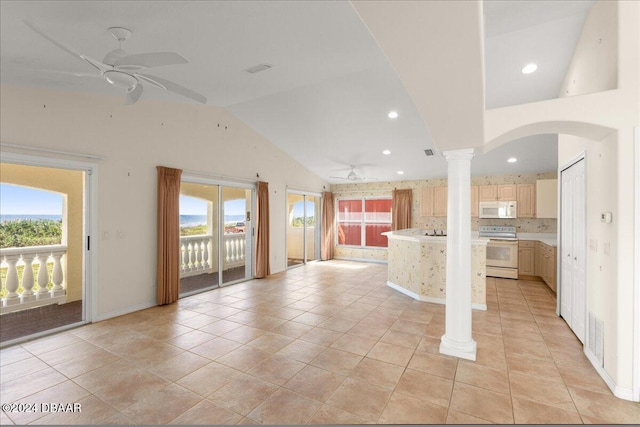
x: 123, y: 311
x: 429, y: 299
x: 376, y: 261
x: 620, y: 392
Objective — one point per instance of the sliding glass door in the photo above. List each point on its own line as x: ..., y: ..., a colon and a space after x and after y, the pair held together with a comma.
x: 303, y: 228
x: 236, y: 214
x: 215, y: 234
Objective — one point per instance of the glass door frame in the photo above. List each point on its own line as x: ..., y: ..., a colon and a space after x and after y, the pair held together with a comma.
x: 90, y: 221
x: 249, y: 234
x: 318, y: 225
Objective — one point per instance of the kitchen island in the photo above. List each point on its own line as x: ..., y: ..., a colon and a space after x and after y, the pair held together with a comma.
x: 417, y: 266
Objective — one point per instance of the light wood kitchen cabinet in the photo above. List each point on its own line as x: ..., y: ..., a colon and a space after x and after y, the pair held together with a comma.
x: 440, y: 201
x: 507, y: 192
x: 526, y: 200
x: 526, y: 258
x: 547, y: 198
x: 488, y: 193
x: 492, y: 193
x: 546, y: 264
x: 434, y: 201
x: 544, y: 261
x: 475, y: 208
x: 538, y: 259
x: 550, y: 266
x: 426, y: 208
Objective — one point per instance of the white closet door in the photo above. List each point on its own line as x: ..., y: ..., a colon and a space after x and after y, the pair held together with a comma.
x: 573, y: 291
x: 579, y: 251
x: 566, y: 247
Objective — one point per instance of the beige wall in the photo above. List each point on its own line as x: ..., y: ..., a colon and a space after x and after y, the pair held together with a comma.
x: 134, y: 140
x: 70, y: 184
x: 609, y: 176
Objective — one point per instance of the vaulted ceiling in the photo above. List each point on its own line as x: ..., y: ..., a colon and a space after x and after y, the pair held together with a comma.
x: 326, y: 97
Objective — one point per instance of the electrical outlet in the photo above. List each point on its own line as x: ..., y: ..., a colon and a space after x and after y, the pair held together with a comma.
x: 607, y: 248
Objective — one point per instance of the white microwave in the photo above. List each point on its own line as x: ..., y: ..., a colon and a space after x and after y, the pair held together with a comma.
x: 498, y: 210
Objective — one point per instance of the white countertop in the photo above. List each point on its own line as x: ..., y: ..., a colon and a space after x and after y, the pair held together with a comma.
x: 547, y: 238
x: 419, y: 235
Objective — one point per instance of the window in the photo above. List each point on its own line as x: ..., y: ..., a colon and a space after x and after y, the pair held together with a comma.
x: 361, y: 222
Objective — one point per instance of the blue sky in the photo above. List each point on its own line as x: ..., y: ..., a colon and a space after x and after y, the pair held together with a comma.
x: 298, y: 209
x: 17, y: 200
x: 195, y: 206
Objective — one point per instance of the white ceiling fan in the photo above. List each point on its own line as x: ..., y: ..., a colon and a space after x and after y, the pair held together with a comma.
x: 122, y: 69
x: 354, y: 176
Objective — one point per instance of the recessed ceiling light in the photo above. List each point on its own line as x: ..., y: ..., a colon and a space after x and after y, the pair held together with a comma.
x: 512, y: 160
x: 387, y: 152
x: 400, y: 172
x: 392, y: 114
x: 529, y: 68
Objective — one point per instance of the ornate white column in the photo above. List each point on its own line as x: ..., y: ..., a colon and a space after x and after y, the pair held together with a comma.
x: 457, y: 339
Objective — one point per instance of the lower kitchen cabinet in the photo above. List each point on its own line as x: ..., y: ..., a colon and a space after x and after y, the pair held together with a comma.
x: 537, y: 259
x: 526, y: 258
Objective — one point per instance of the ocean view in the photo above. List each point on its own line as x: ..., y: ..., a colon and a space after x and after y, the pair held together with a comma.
x: 185, y: 220
x: 6, y: 218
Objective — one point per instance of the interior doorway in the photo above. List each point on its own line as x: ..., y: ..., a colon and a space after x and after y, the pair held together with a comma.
x: 45, y: 219
x: 303, y: 227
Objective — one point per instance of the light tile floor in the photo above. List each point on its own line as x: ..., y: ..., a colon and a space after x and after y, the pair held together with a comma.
x: 326, y: 343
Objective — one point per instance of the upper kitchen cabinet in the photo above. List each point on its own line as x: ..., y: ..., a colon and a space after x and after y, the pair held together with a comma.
x: 507, y: 192
x: 488, y: 193
x: 426, y: 209
x: 491, y: 193
x: 434, y: 201
x: 474, y: 201
x: 440, y: 201
x: 526, y: 200
x: 547, y: 198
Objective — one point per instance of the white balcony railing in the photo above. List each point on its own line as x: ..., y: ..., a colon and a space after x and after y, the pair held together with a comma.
x: 31, y: 289
x: 196, y: 253
x: 234, y: 249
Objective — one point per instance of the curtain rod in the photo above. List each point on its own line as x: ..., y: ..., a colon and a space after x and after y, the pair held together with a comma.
x: 311, y: 190
x: 48, y: 150
x: 220, y: 177
x: 362, y: 191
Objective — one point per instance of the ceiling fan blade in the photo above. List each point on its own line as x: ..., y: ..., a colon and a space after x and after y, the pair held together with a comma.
x: 96, y: 64
x: 173, y: 87
x: 149, y: 60
x: 133, y: 95
x: 58, y: 72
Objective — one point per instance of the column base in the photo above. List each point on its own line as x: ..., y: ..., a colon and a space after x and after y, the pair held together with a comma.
x: 463, y: 350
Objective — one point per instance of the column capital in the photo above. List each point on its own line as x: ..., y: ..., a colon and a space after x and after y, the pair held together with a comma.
x: 462, y: 154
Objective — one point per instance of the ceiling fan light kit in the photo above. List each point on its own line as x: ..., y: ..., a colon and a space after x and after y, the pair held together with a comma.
x: 353, y: 176
x: 120, y: 68
x: 120, y: 33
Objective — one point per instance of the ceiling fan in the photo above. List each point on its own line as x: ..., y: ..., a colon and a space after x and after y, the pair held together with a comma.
x: 354, y: 176
x: 122, y: 69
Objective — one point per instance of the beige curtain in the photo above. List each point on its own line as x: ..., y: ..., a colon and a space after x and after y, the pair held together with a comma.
x: 401, y: 209
x: 262, y: 231
x: 326, y: 251
x: 168, y: 234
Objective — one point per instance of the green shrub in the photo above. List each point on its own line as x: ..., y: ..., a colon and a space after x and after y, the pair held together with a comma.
x: 30, y: 232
